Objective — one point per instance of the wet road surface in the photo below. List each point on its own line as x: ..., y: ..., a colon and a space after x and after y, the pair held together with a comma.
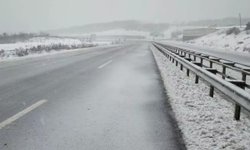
x: 101, y: 98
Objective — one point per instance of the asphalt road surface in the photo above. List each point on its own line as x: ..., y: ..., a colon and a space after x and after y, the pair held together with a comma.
x: 229, y: 55
x: 107, y: 98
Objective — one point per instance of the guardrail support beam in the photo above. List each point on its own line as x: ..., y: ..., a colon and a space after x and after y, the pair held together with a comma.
x: 196, y: 63
x: 188, y: 59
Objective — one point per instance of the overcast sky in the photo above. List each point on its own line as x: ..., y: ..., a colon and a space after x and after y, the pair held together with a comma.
x: 37, y: 15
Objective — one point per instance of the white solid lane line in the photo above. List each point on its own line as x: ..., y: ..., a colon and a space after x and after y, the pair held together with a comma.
x: 22, y: 113
x: 105, y: 64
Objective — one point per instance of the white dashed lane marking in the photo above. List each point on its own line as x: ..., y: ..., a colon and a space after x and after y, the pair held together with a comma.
x: 22, y: 113
x: 105, y: 64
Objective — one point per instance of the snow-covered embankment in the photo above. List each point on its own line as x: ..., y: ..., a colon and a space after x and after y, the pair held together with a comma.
x: 43, y: 45
x: 238, y: 40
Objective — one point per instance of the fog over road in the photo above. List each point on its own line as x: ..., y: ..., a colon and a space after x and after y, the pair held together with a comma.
x: 98, y: 98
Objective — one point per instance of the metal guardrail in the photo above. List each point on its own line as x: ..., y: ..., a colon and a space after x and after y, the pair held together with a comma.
x: 244, y: 70
x: 233, y: 89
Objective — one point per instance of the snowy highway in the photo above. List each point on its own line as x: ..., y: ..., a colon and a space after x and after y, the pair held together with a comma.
x: 99, y: 98
x: 225, y: 54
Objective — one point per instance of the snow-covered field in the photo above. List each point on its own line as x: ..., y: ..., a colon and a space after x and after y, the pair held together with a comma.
x: 44, y: 45
x: 206, y: 123
x: 220, y: 40
x: 45, y: 41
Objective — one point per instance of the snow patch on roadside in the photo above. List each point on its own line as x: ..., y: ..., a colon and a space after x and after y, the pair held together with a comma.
x: 206, y: 123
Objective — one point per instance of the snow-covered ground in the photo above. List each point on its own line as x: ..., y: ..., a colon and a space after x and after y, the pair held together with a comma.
x: 180, y: 29
x: 220, y: 40
x: 206, y: 123
x: 44, y: 45
x: 46, y: 41
x: 171, y: 29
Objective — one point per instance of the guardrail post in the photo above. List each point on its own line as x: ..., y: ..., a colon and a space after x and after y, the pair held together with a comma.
x: 237, y: 109
x: 188, y: 59
x: 176, y: 63
x: 237, y: 112
x: 224, y: 68
x: 188, y: 72
x: 201, y: 61
x: 165, y: 54
x: 196, y: 79
x: 181, y: 67
x: 205, y: 56
x: 223, y: 72
x: 211, y: 91
x: 244, y: 75
x: 211, y: 63
x: 196, y: 76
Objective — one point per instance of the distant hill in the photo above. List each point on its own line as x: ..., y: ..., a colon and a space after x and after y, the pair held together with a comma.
x: 218, y: 22
x: 154, y: 29
x: 100, y: 27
